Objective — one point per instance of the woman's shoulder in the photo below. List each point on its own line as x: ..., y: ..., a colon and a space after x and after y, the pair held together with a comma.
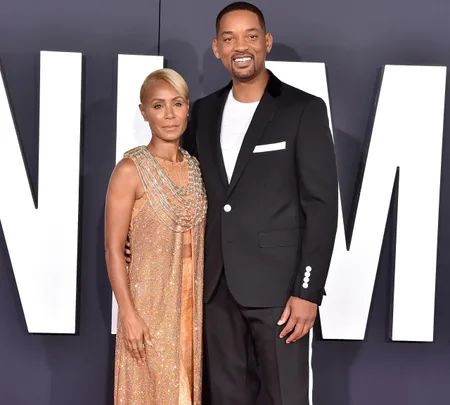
x: 127, y: 166
x: 126, y: 169
x: 135, y: 152
x: 124, y: 179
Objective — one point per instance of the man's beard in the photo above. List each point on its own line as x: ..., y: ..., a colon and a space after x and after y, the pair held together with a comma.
x: 243, y: 74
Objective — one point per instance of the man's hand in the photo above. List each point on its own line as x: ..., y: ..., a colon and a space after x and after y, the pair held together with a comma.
x: 127, y: 252
x: 300, y: 315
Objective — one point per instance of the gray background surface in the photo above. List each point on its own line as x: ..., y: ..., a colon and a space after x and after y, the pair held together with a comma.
x: 354, y: 38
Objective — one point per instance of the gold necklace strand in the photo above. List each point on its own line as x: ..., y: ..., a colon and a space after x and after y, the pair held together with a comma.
x: 182, y: 221
x: 176, y: 191
x: 185, y: 219
x: 196, y: 181
x: 182, y: 190
x: 189, y: 211
x: 195, y: 186
x: 179, y: 228
x: 174, y: 211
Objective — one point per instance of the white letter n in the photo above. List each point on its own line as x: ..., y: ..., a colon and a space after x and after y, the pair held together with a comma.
x: 42, y: 242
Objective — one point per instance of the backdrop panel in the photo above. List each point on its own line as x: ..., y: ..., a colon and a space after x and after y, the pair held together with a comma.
x: 71, y: 369
x: 355, y: 40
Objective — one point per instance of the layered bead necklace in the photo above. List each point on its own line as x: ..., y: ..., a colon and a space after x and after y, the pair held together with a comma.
x: 179, y: 207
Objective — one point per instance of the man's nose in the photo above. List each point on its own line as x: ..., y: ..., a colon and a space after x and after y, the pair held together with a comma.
x: 240, y: 45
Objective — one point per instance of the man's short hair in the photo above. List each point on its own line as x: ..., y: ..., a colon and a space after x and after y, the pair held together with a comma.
x: 237, y: 6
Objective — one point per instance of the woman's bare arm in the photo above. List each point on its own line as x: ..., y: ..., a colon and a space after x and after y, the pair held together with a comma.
x: 120, y: 199
x: 124, y: 187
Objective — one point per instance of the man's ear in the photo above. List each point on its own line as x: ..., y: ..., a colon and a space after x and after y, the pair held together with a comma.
x: 215, y: 48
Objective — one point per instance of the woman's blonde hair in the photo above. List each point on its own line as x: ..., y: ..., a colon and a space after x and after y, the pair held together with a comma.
x: 171, y: 77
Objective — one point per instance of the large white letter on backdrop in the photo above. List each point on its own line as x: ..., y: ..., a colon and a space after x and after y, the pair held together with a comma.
x: 43, y: 242
x: 406, y: 135
x: 132, y: 130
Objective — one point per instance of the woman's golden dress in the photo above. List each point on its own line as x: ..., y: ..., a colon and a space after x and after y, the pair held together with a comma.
x: 165, y: 286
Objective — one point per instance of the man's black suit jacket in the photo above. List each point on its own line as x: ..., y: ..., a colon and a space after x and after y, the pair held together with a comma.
x: 272, y: 229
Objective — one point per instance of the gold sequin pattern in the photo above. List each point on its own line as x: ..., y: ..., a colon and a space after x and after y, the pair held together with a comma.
x: 155, y: 279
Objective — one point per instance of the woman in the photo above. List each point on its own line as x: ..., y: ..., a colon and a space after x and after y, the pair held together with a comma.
x: 156, y: 197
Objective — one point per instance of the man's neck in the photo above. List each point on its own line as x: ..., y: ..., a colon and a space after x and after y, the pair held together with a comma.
x: 250, y: 91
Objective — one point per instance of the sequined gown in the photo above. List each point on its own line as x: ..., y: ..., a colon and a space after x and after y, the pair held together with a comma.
x: 166, y: 286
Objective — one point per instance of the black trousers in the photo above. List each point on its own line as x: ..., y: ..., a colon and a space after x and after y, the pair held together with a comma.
x: 243, y: 344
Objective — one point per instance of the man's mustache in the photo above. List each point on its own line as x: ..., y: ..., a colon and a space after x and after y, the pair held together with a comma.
x: 242, y: 55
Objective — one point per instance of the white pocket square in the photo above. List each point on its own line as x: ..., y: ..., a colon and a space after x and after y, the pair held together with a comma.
x: 270, y: 147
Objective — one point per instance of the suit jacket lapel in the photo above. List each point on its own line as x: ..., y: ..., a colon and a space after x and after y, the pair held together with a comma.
x: 263, y: 115
x: 216, y: 120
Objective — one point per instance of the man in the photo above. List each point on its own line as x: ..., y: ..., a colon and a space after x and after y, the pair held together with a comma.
x: 268, y: 163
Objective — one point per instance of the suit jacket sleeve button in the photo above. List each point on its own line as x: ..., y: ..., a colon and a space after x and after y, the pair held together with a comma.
x: 227, y: 208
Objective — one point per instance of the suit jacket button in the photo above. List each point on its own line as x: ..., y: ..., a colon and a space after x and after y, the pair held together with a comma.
x: 227, y: 208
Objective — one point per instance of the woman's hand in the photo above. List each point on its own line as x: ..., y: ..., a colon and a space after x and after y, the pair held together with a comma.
x: 137, y: 336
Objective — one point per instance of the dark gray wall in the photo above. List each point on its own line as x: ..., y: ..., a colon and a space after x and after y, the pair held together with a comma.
x: 68, y: 370
x: 354, y: 38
